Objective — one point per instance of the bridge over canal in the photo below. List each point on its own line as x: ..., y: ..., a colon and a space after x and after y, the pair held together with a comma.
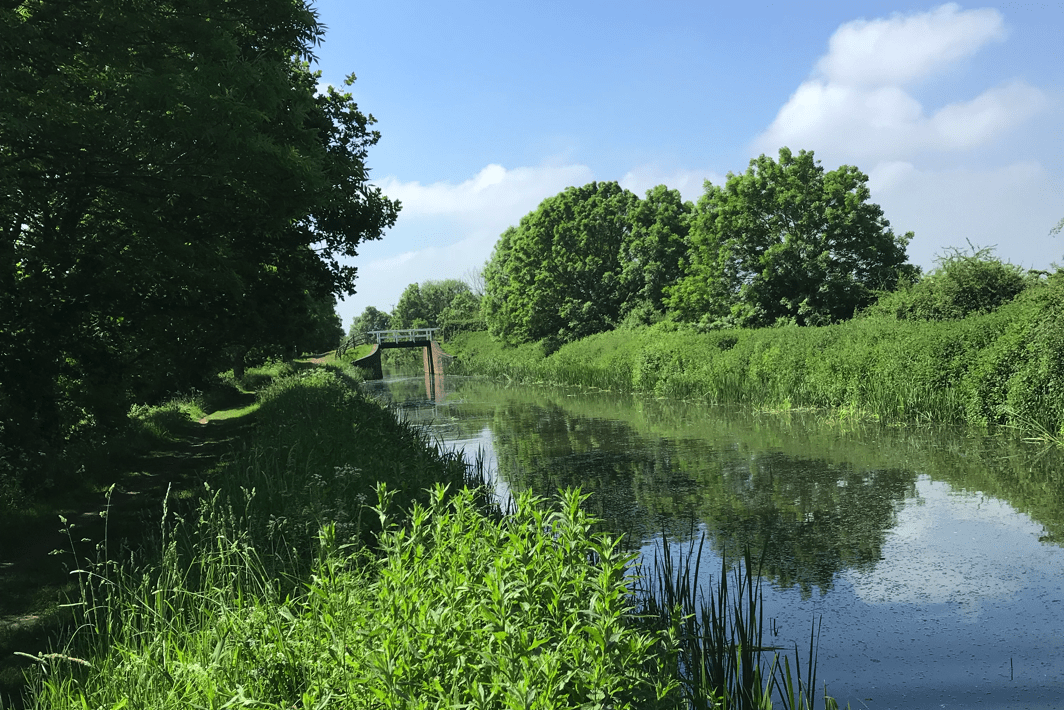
x: 434, y: 357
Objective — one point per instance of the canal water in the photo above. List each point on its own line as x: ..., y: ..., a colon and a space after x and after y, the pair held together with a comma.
x: 932, y: 557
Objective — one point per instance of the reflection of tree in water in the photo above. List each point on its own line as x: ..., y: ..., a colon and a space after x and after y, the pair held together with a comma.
x: 543, y: 449
x: 824, y: 505
x: 815, y: 518
x: 818, y: 518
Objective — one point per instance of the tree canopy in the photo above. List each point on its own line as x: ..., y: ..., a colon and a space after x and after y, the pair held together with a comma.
x: 559, y: 273
x: 177, y: 194
x: 371, y: 319
x: 421, y: 305
x: 787, y: 242
x: 652, y: 256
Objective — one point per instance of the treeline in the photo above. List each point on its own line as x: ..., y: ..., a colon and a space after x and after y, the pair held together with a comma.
x: 178, y: 197
x: 785, y: 243
x: 452, y: 304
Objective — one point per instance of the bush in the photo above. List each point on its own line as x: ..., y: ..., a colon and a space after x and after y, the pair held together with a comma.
x: 963, y: 284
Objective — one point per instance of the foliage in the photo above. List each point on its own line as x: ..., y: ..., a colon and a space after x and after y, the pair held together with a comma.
x: 178, y: 196
x: 423, y: 305
x: 559, y: 273
x: 237, y: 603
x: 1002, y: 367
x: 370, y: 320
x: 652, y: 256
x: 964, y: 283
x: 786, y: 242
x: 462, y: 314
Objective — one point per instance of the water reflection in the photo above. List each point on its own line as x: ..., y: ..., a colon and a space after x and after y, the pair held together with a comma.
x: 932, y: 555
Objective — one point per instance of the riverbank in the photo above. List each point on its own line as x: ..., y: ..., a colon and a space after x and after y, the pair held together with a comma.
x: 339, y: 559
x: 1000, y: 368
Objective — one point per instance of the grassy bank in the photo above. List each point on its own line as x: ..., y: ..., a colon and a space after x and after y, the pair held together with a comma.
x: 1005, y: 367
x: 336, y: 560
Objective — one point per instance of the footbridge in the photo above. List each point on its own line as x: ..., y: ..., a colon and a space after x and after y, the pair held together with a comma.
x: 425, y: 338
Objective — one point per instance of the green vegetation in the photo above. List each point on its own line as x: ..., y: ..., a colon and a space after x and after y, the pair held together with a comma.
x: 787, y: 243
x: 370, y: 320
x: 179, y: 199
x: 281, y: 584
x: 582, y: 261
x: 962, y: 284
x: 783, y: 243
x: 1004, y: 367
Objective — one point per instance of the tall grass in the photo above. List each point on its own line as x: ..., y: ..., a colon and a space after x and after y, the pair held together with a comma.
x: 340, y: 560
x: 723, y: 661
x: 1005, y: 367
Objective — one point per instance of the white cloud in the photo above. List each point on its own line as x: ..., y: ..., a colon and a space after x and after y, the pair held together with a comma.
x: 973, y: 123
x: 1012, y: 206
x: 445, y: 229
x: 495, y: 191
x: 904, y: 48
x: 856, y: 106
x: 938, y: 553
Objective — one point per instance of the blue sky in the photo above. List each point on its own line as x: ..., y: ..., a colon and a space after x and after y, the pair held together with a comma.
x: 485, y: 109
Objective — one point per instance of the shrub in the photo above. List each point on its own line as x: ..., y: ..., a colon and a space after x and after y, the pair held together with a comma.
x: 963, y: 284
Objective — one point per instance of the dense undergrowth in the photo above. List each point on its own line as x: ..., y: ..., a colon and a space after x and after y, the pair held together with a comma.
x: 341, y: 560
x: 1003, y: 367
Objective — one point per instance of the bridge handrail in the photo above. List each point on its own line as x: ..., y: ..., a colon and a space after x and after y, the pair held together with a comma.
x: 402, y: 336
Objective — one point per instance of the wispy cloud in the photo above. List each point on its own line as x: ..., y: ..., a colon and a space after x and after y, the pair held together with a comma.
x: 493, y: 195
x: 448, y: 229
x: 688, y: 182
x: 902, y: 48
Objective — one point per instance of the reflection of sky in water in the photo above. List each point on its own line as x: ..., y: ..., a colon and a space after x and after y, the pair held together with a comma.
x: 482, y: 442
x: 938, y: 620
x: 964, y: 610
x: 958, y: 548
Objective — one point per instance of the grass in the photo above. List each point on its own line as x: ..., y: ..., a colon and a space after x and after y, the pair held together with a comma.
x: 174, y: 445
x: 338, y: 559
x: 999, y: 368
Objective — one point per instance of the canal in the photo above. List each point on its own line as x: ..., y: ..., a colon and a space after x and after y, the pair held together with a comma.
x: 932, y: 556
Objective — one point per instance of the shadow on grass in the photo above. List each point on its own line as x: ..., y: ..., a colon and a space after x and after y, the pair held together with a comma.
x: 116, y: 503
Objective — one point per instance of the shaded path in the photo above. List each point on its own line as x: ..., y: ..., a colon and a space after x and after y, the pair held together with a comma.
x: 33, y: 579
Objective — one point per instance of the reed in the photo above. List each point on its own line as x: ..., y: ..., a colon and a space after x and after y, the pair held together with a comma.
x: 722, y: 659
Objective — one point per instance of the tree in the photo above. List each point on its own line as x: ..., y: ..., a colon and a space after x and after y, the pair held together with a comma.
x: 463, y: 313
x: 962, y: 284
x: 558, y: 275
x: 177, y: 195
x: 652, y: 255
x: 421, y: 305
x: 371, y: 319
x: 787, y: 243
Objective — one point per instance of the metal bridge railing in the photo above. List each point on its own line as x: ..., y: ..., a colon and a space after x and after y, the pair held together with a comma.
x: 401, y: 336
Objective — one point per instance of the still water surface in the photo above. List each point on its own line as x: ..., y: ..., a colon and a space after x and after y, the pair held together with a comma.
x: 933, y: 556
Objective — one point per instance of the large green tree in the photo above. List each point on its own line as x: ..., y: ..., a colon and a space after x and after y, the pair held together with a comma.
x: 372, y: 319
x: 559, y: 273
x: 787, y: 242
x: 176, y: 194
x: 653, y: 253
